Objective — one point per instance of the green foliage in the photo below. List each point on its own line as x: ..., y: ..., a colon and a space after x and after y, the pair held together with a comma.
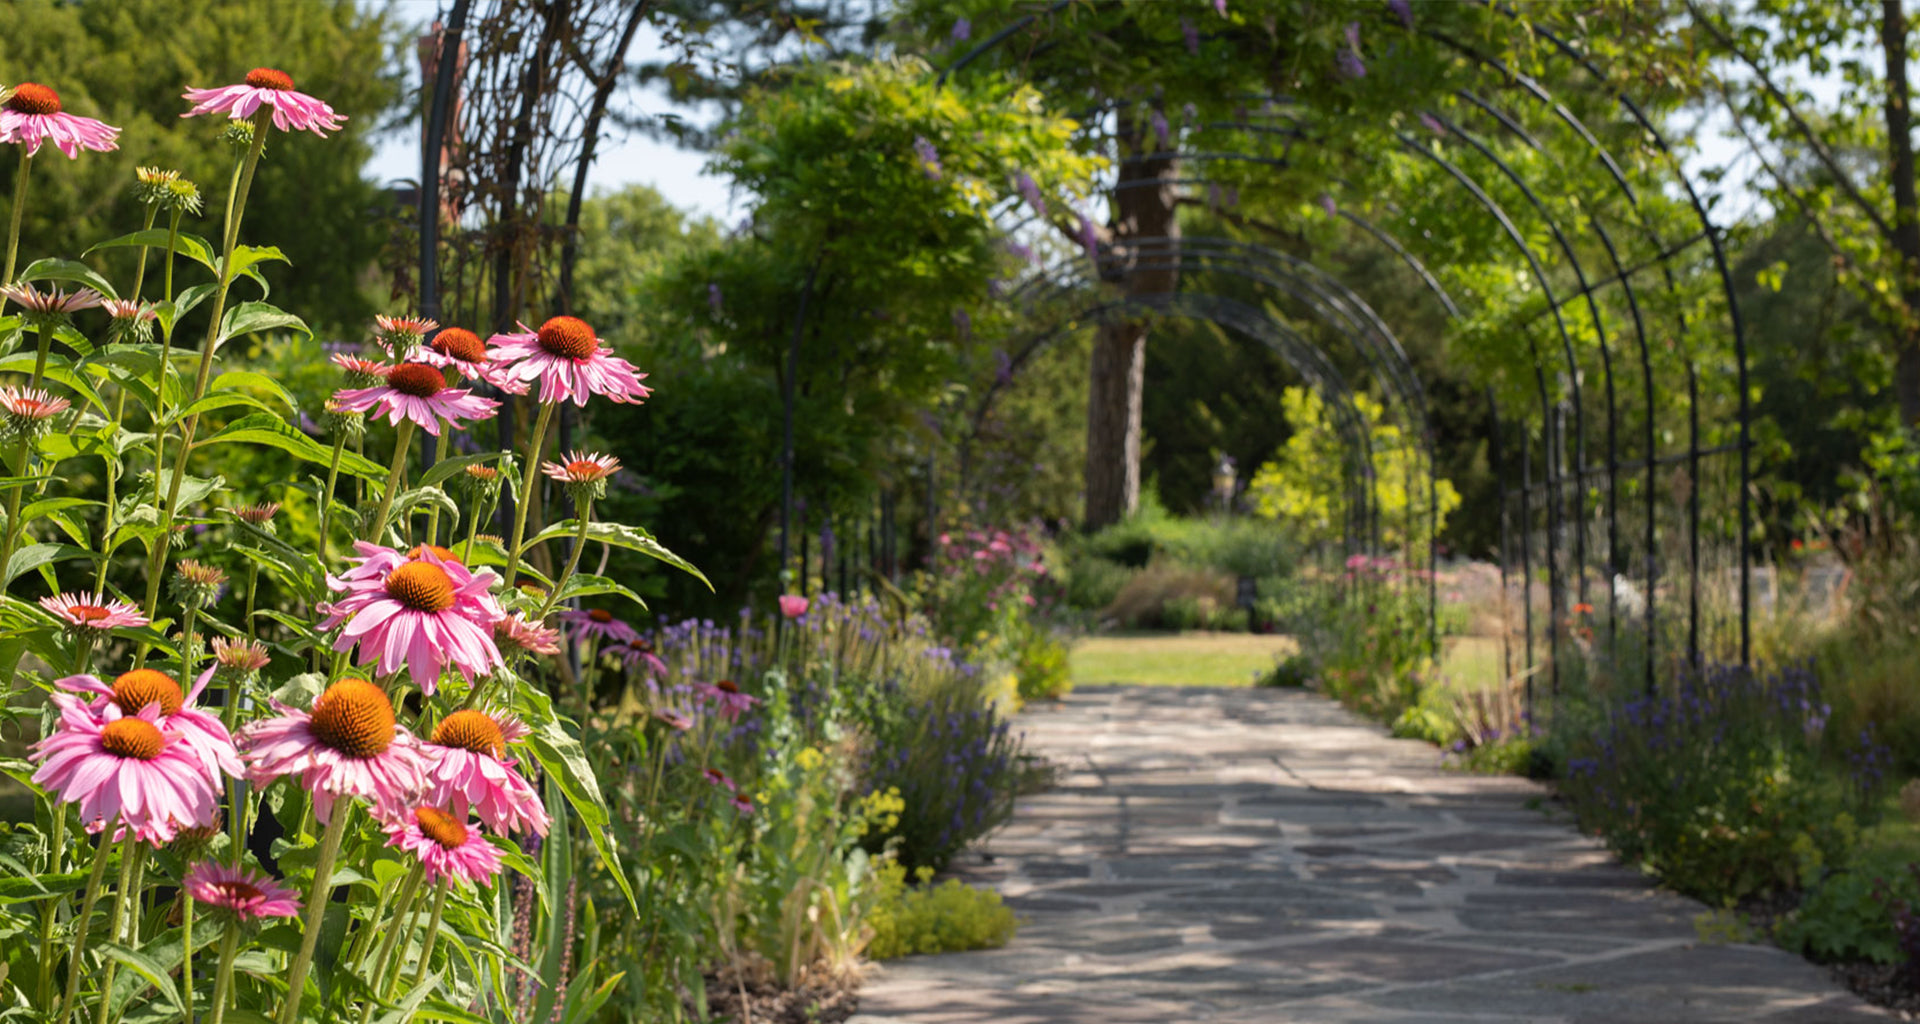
x: 951, y: 917
x: 126, y: 62
x: 1040, y: 661
x: 1846, y: 914
x: 1293, y: 671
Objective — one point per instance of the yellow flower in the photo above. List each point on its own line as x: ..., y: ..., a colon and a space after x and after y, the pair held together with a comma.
x: 810, y: 759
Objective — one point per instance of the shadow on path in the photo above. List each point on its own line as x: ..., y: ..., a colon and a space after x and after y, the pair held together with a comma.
x: 1264, y: 856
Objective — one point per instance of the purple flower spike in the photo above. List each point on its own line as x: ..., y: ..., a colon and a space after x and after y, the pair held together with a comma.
x: 713, y: 298
x: 1327, y: 204
x: 961, y: 30
x: 1402, y: 10
x: 1433, y: 123
x: 1192, y: 35
x: 1089, y: 238
x: 1031, y: 193
x: 1160, y: 132
x: 1220, y: 7
x: 929, y: 157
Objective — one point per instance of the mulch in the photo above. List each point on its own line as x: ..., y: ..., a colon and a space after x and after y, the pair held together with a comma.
x: 815, y: 1000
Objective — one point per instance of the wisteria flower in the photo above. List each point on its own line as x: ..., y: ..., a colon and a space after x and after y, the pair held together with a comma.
x: 467, y: 770
x: 292, y: 111
x: 793, y: 605
x: 518, y: 632
x: 599, y: 624
x: 93, y: 613
x: 244, y: 894
x: 347, y: 745
x: 417, y: 392
x: 133, y: 692
x: 127, y: 771
x: 446, y: 845
x: 419, y: 613
x: 463, y: 350
x: 727, y: 700
x: 569, y: 362
x: 32, y: 116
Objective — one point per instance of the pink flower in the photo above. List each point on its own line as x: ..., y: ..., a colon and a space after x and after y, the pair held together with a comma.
x: 599, y: 623
x: 127, y: 771
x: 133, y: 692
x: 638, y: 653
x: 360, y: 370
x: 716, y: 777
x: 292, y: 111
x: 247, y: 895
x: 742, y: 804
x: 727, y: 700
x: 97, y: 613
x: 570, y: 362
x: 446, y: 845
x: 466, y: 770
x: 348, y: 745
x: 582, y: 468
x: 30, y: 407
x: 464, y: 351
x: 32, y: 116
x: 423, y: 613
x: 793, y: 606
x: 673, y: 719
x: 517, y: 632
x: 420, y: 393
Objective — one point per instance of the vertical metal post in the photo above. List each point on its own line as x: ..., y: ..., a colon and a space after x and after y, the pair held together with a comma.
x: 1693, y: 517
x: 787, y: 388
x: 430, y: 146
x: 1526, y: 556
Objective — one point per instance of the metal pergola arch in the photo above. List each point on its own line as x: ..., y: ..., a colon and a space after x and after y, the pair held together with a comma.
x: 1587, y: 286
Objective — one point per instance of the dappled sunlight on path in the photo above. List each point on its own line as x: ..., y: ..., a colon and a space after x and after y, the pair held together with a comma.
x: 1263, y: 856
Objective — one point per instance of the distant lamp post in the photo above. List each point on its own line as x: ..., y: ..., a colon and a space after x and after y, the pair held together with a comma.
x: 1224, y: 478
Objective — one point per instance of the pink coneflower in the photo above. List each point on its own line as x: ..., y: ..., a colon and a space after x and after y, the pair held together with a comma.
x: 246, y: 895
x: 29, y: 412
x: 420, y: 393
x: 400, y: 333
x: 716, y: 777
x: 241, y: 657
x: 600, y: 624
x: 467, y: 770
x: 259, y: 514
x: 132, y: 321
x: 126, y: 770
x: 516, y: 631
x: 292, y: 111
x: 742, y: 804
x: 361, y: 371
x: 673, y: 719
x: 347, y: 745
x: 446, y: 845
x: 570, y: 362
x: 93, y: 613
x: 582, y: 468
x: 727, y: 700
x: 133, y: 692
x: 793, y: 606
x: 32, y: 116
x: 422, y: 613
x: 638, y: 653
x: 53, y: 302
x: 464, y: 351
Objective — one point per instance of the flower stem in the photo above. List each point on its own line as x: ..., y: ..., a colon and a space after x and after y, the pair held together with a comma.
x: 316, y: 910
x: 401, y: 907
x: 585, y: 512
x: 326, y: 496
x: 186, y: 954
x: 223, y: 979
x: 236, y: 209
x: 173, y: 245
x: 78, y: 955
x: 56, y: 848
x: 120, y: 901
x: 402, y: 443
x: 13, y: 508
x: 528, y: 479
x: 186, y: 640
x: 433, y: 515
x: 140, y: 273
x: 433, y: 935
x: 13, y: 229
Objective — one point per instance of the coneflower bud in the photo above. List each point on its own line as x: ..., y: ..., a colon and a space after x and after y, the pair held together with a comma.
x: 151, y: 185
x: 239, y: 660
x: 191, y: 844
x: 238, y: 134
x: 584, y: 474
x: 342, y: 422
x: 399, y: 334
x: 132, y: 321
x: 196, y: 584
x: 480, y: 481
x: 260, y: 515
x: 29, y: 412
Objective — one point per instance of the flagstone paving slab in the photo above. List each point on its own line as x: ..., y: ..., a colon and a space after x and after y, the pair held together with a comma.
x: 1263, y: 856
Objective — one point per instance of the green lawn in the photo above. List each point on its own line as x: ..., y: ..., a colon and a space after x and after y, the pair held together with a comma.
x: 1177, y: 659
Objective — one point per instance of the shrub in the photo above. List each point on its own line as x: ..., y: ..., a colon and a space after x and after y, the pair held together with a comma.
x: 1849, y: 914
x: 1041, y: 664
x: 1294, y: 670
x: 1093, y: 583
x: 926, y: 918
x: 1720, y: 786
x: 1147, y: 598
x: 955, y: 765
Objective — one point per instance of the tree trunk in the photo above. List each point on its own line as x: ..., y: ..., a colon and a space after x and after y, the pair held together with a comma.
x: 1906, y: 209
x: 1118, y: 371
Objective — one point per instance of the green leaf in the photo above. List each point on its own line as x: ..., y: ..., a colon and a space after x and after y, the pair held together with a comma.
x: 219, y: 400
x: 33, y: 556
x: 255, y: 317
x: 622, y: 536
x: 70, y: 272
x: 448, y: 467
x: 153, y: 971
x: 566, y: 762
x: 582, y: 584
x: 189, y: 245
x: 19, y: 889
x: 272, y: 431
x: 235, y: 379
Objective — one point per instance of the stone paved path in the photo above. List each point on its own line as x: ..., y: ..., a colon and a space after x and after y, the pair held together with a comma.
x: 1263, y: 856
